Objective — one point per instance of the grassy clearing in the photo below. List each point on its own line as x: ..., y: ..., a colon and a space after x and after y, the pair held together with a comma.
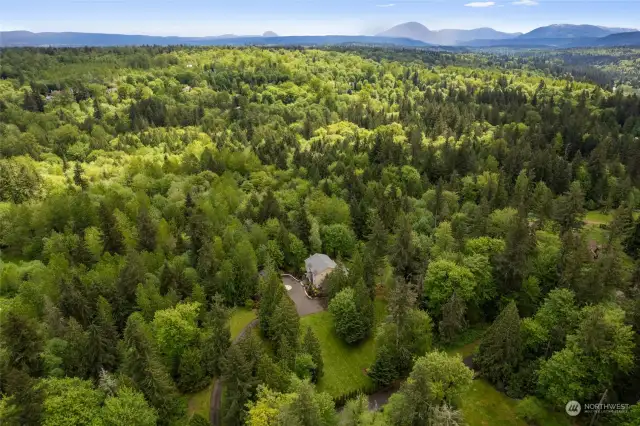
x: 200, y: 402
x: 344, y: 365
x: 240, y: 318
x: 597, y: 217
x: 483, y: 405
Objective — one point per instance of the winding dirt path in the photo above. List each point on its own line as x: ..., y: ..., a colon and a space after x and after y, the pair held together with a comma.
x: 216, y: 393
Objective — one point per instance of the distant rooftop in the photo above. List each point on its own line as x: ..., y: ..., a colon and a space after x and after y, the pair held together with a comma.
x: 319, y: 263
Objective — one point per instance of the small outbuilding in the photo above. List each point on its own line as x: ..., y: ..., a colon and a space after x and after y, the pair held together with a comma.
x: 318, y: 267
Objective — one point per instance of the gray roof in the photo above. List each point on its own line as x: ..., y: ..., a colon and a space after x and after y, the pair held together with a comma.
x: 319, y: 263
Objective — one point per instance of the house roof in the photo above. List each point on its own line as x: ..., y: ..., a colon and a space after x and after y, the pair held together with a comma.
x: 319, y: 263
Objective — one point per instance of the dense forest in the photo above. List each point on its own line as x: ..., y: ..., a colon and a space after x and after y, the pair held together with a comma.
x: 149, y: 194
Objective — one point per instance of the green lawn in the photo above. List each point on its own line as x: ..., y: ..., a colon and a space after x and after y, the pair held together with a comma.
x: 240, y: 318
x: 483, y: 405
x: 597, y: 217
x: 344, y: 365
x: 200, y: 402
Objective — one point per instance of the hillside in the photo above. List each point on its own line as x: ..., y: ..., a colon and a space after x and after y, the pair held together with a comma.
x: 571, y: 31
x: 446, y: 37
x: 73, y: 39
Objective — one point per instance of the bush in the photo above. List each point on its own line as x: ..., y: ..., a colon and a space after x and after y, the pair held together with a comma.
x: 532, y: 411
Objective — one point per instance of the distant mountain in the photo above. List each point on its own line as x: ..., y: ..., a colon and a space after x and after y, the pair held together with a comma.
x: 69, y: 39
x: 572, y: 31
x: 269, y: 34
x: 417, y: 31
x: 620, y: 39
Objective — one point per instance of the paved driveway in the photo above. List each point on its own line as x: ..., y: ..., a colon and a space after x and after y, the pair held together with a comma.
x: 304, y: 305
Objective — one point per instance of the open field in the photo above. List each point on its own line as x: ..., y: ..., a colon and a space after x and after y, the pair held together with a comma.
x: 344, y: 365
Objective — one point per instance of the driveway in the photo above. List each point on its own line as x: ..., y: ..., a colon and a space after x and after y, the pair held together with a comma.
x: 304, y: 305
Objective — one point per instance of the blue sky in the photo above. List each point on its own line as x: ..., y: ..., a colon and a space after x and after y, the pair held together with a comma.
x: 295, y: 17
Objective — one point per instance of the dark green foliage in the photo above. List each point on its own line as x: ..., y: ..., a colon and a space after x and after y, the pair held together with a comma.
x: 133, y: 185
x: 103, y: 340
x: 501, y: 349
x: 285, y: 328
x: 453, y: 318
x: 384, y: 370
x: 271, y: 292
x: 22, y: 341
x: 216, y: 338
x: 191, y: 372
x: 311, y: 345
x: 112, y: 237
x: 146, y: 231
x: 239, y: 382
x: 142, y: 365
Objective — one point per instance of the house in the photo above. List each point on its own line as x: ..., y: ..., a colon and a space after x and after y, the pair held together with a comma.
x: 318, y: 267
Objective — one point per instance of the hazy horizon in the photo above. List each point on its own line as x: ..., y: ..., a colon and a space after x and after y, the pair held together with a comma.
x: 299, y: 17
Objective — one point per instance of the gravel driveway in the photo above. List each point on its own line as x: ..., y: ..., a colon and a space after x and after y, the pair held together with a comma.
x: 304, y: 305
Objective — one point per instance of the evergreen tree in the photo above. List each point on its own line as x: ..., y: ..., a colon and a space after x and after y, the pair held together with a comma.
x: 111, y: 235
x: 402, y: 251
x: 453, y: 318
x: 78, y: 176
x: 191, y: 374
x: 513, y: 263
x: 384, y: 371
x: 130, y: 276
x: 236, y: 373
x: 103, y: 340
x: 285, y: 327
x: 142, y: 365
x: 271, y: 292
x: 500, y: 349
x: 147, y: 230
x: 216, y: 338
x: 23, y: 342
x: 311, y: 345
x: 569, y: 209
x: 632, y: 242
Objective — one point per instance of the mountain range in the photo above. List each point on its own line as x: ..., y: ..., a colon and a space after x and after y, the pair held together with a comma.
x: 417, y: 31
x: 410, y: 34
x: 552, y: 35
x: 73, y: 39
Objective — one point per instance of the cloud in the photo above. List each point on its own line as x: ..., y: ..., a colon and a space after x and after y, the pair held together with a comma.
x: 386, y: 5
x: 526, y: 3
x: 481, y: 4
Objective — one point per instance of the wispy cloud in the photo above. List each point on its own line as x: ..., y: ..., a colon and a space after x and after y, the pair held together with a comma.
x: 526, y: 3
x: 386, y: 5
x: 481, y: 4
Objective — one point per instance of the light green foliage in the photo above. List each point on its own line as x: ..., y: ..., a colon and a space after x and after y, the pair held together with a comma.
x: 127, y: 408
x: 500, y: 221
x: 175, y: 329
x: 337, y: 240
x: 443, y: 278
x: 70, y: 402
x: 328, y: 210
x: 346, y: 318
x: 436, y: 379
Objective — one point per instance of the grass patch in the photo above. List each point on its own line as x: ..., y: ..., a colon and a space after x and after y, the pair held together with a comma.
x: 467, y: 342
x: 239, y: 319
x: 483, y: 405
x: 344, y: 365
x: 200, y: 402
x: 597, y: 217
x: 595, y: 233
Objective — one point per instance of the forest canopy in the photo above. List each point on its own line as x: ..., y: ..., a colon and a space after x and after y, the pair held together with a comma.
x: 147, y: 192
